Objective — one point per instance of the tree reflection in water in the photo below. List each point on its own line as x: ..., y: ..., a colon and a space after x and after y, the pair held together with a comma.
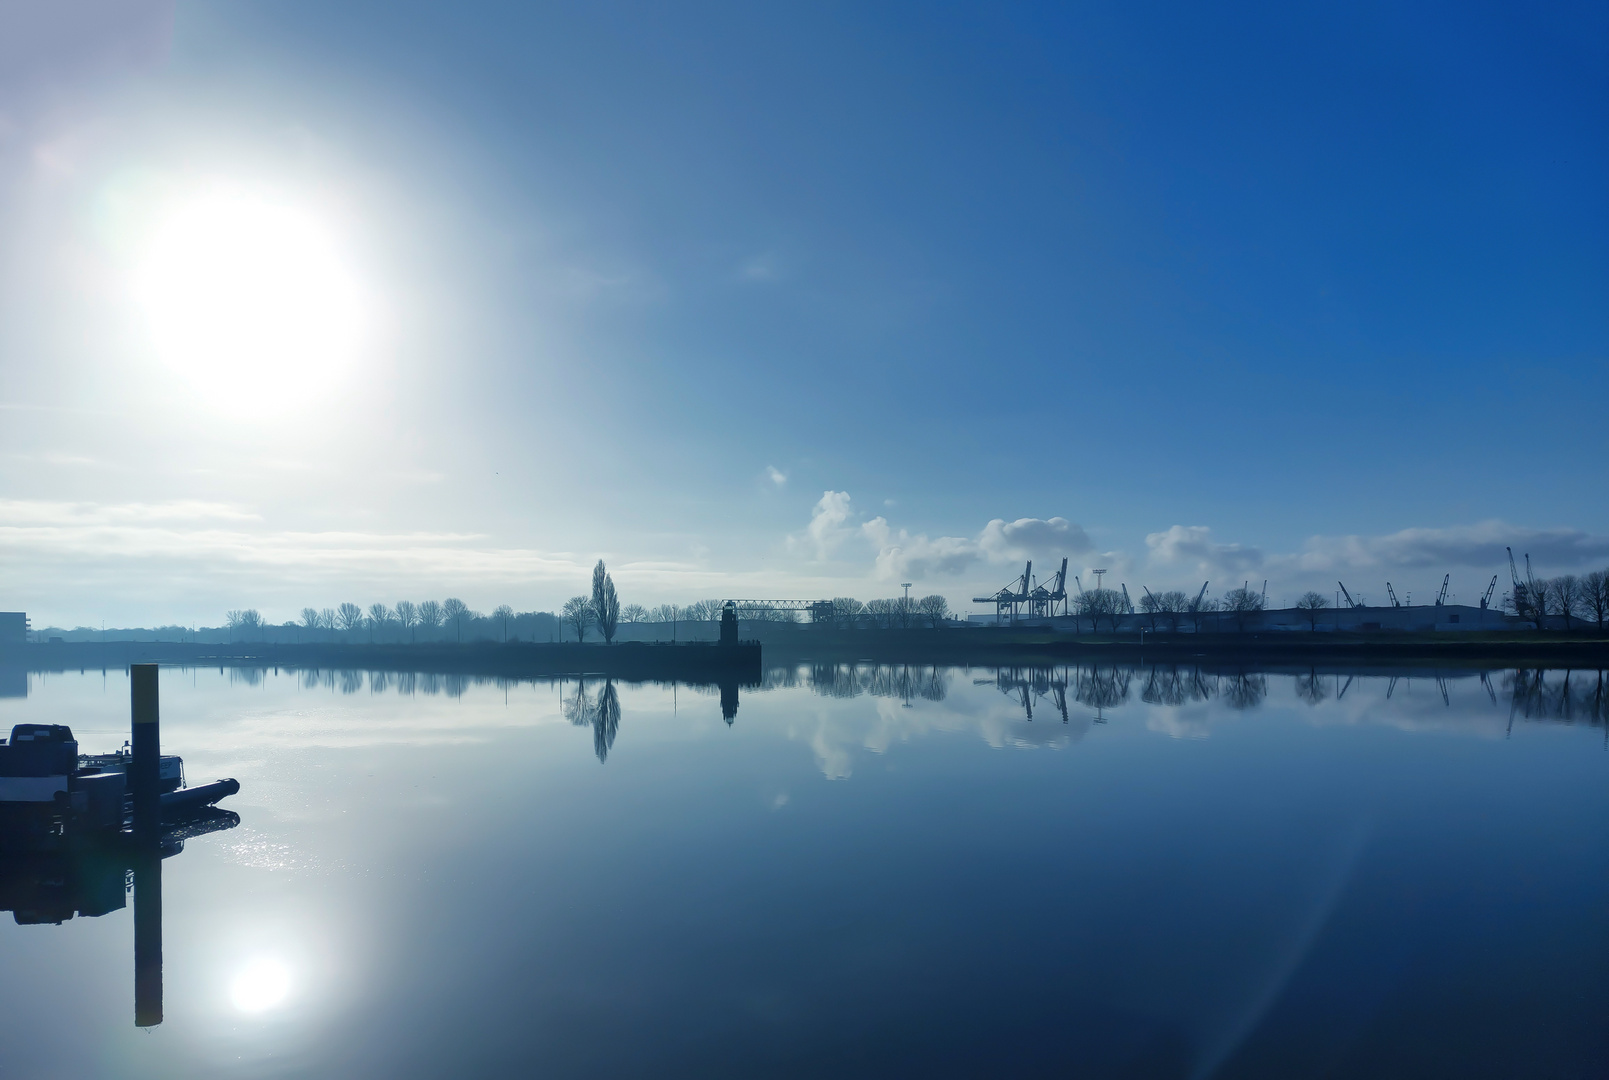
x: 600, y: 713
x: 1567, y: 696
x: 1311, y: 689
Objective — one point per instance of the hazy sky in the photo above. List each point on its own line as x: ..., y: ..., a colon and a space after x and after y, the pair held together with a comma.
x: 303, y: 303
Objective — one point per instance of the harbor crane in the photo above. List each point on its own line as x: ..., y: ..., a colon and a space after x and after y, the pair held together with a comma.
x: 1490, y: 589
x: 1525, y: 598
x: 1126, y: 601
x: 1042, y: 601
x: 1441, y: 598
x: 1393, y: 594
x: 1349, y: 601
x: 1196, y: 605
x: 1010, y: 596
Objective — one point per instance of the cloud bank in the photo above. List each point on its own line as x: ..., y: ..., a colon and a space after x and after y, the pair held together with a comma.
x: 900, y: 554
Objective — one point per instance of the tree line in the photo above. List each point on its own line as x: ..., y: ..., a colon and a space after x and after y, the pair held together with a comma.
x: 1567, y: 597
x: 406, y: 621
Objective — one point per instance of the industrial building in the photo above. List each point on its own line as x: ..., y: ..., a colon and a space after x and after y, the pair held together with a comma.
x: 1450, y: 618
x: 1026, y: 603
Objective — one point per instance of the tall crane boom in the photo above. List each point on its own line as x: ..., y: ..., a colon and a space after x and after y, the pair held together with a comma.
x: 1524, y: 591
x: 1126, y: 601
x: 1490, y: 589
x: 1349, y: 601
x: 1197, y: 605
x: 1393, y: 594
x: 1442, y: 597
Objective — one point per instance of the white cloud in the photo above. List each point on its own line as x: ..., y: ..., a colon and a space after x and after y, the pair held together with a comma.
x: 1479, y: 545
x: 1194, y: 544
x: 901, y: 555
x: 1032, y: 538
x: 776, y: 475
x: 914, y: 556
x: 829, y: 522
x: 1421, y: 554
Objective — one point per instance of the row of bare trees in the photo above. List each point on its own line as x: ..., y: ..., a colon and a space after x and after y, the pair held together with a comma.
x: 1567, y: 597
x: 894, y: 613
x: 429, y: 620
x: 431, y: 617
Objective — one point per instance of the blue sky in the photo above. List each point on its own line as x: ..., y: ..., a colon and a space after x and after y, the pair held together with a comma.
x: 792, y: 301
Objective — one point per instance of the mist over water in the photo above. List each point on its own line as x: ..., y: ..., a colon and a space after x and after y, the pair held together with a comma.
x: 1101, y: 870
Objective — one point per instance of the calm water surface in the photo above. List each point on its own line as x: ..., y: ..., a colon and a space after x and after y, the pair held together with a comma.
x: 871, y: 870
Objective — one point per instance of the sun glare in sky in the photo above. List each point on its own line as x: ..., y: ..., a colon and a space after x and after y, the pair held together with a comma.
x: 250, y: 299
x: 260, y: 986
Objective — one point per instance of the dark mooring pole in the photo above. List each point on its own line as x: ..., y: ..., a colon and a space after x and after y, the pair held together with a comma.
x: 148, y: 937
x: 144, y: 780
x: 147, y: 747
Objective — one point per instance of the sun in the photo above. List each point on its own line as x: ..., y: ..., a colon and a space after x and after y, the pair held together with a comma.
x: 260, y: 986
x: 250, y: 299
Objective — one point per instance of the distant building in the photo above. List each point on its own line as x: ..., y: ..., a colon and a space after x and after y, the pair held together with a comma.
x: 1441, y: 618
x: 13, y: 627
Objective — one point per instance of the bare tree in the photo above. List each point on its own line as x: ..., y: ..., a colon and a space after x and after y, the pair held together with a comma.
x: 1312, y: 603
x: 430, y: 616
x: 379, y: 615
x: 577, y: 614
x: 326, y: 619
x: 904, y: 611
x: 1096, y: 604
x: 1242, y: 601
x: 310, y: 618
x: 605, y: 602
x: 1563, y: 595
x: 349, y: 617
x: 1151, y: 605
x: 633, y: 613
x: 453, y: 611
x: 408, y: 616
x: 884, y: 613
x: 702, y: 611
x: 935, y: 609
x: 845, y: 611
x: 1595, y: 596
x: 1199, y: 606
x: 502, y: 613
x: 244, y: 625
x: 1172, y: 604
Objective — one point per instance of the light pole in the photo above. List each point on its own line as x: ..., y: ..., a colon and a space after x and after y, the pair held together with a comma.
x: 905, y: 612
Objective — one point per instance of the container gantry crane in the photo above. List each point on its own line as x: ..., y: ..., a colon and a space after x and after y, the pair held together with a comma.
x: 1010, y: 596
x: 1042, y: 601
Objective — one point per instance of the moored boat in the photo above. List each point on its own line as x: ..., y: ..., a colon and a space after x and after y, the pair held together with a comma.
x: 51, y: 795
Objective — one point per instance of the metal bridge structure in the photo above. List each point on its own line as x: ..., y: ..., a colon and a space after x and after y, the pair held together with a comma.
x: 820, y: 611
